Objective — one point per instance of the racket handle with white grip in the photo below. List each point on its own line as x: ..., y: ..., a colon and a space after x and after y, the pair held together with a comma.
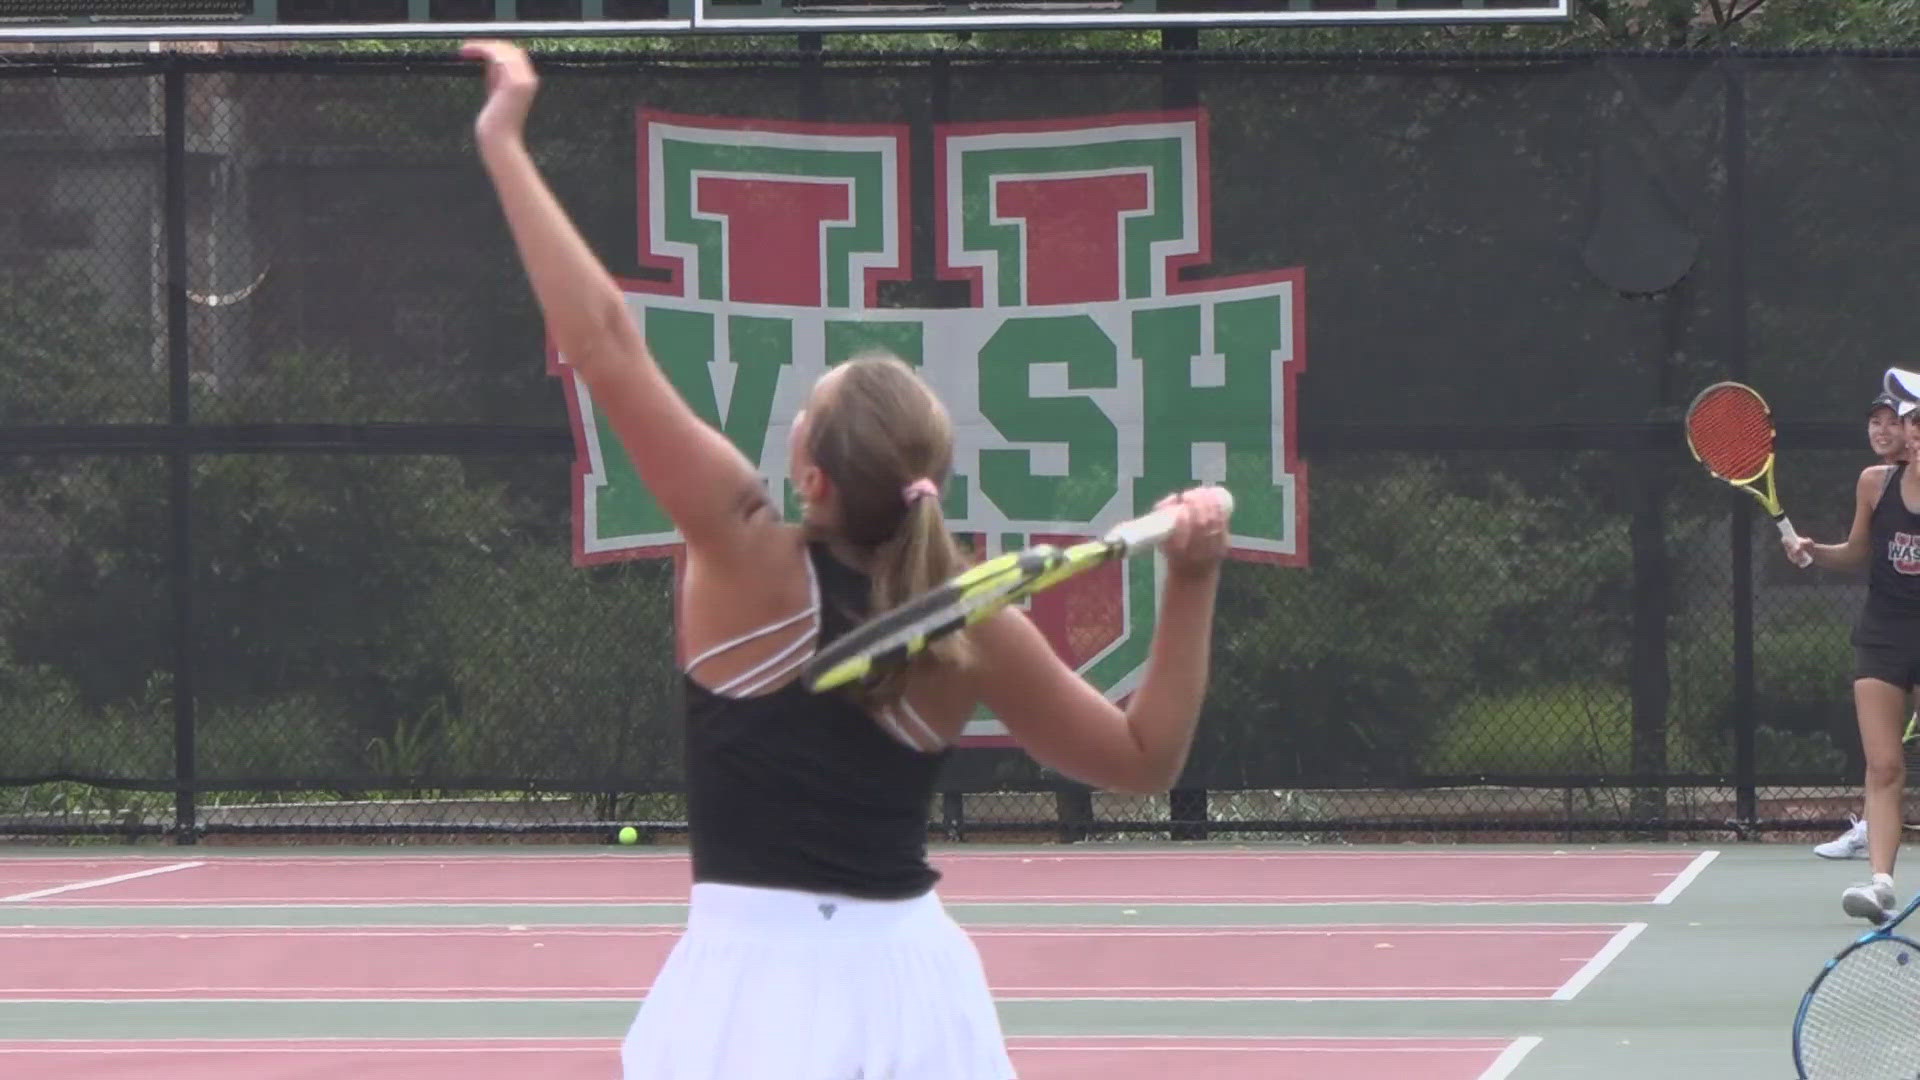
x: 1143, y: 533
x: 1786, y: 533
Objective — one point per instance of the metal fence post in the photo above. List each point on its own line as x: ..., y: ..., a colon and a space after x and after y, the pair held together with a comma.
x: 953, y: 815
x: 1186, y: 807
x: 1073, y: 813
x: 179, y: 459
x: 1741, y: 532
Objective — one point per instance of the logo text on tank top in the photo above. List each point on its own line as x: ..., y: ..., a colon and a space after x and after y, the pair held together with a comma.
x: 1903, y: 551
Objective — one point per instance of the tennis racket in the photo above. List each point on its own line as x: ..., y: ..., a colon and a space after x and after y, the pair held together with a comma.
x: 886, y: 641
x: 1857, y: 1020
x: 1730, y: 431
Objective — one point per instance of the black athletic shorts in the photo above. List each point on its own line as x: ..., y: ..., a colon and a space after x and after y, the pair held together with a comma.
x: 1887, y: 650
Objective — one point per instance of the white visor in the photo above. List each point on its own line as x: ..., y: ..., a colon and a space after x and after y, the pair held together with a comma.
x: 1903, y: 384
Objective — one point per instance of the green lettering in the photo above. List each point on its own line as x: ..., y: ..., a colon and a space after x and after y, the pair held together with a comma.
x: 682, y: 343
x: 848, y: 338
x: 1237, y: 413
x: 1092, y: 440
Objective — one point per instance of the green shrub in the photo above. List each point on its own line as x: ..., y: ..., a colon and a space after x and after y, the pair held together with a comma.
x: 295, y: 737
x: 560, y: 672
x: 1564, y: 729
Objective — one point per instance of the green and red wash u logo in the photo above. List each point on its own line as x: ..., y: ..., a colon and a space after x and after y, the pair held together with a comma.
x: 1086, y: 379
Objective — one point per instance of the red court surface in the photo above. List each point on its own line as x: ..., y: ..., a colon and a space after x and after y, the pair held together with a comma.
x: 1145, y: 1058
x: 1414, y: 876
x: 1512, y: 962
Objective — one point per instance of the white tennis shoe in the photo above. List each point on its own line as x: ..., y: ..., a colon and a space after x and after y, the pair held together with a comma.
x: 1851, y: 844
x: 1872, y: 901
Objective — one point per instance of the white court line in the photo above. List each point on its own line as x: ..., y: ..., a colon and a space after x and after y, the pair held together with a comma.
x: 370, y: 930
x: 1533, y: 899
x: 1263, y: 1049
x: 326, y: 1044
x: 353, y: 993
x: 1592, y: 969
x: 1686, y: 877
x: 937, y: 855
x: 98, y: 882
x: 384, y: 1051
x: 1007, y: 900
x: 638, y: 998
x: 1001, y: 995
x: 1257, y: 993
x: 1509, y: 1058
x: 1313, y: 853
x: 1026, y: 993
x: 168, y: 999
x: 1335, y: 1042
x: 570, y: 1044
x: 1318, y: 854
x: 634, y: 930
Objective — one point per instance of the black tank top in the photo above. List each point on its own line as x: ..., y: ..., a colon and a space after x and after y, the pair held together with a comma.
x: 1893, y: 577
x: 795, y: 790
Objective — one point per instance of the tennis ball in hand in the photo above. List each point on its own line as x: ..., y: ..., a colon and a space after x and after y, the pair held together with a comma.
x: 629, y: 835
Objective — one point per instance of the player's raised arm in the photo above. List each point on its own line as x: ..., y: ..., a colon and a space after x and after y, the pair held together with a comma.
x: 704, y: 483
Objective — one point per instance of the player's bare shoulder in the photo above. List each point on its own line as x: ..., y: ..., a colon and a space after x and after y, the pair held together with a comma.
x: 1873, y: 480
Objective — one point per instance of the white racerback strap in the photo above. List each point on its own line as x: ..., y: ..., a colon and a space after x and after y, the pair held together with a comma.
x: 773, y: 668
x: 902, y: 721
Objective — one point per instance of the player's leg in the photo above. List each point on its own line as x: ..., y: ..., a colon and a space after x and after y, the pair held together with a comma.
x: 1852, y: 844
x: 1881, y: 709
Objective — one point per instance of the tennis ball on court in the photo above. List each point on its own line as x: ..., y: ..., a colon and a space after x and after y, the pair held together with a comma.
x: 629, y: 835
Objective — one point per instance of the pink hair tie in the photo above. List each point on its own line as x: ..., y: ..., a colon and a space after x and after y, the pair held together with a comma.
x: 919, y: 489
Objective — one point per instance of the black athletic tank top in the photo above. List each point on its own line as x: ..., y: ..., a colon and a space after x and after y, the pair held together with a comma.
x: 795, y: 790
x: 1893, y: 577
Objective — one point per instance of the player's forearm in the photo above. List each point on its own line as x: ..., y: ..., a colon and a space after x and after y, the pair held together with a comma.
x: 1166, y: 709
x: 585, y: 313
x: 1847, y: 557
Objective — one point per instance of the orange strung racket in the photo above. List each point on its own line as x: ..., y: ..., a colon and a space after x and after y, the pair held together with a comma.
x: 1730, y: 431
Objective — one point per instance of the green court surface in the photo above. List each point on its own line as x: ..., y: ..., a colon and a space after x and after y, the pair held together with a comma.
x: 1703, y: 983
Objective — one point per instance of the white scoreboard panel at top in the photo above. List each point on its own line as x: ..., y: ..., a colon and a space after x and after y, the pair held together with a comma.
x: 210, y: 20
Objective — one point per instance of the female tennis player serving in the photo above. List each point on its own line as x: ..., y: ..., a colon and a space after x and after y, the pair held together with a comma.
x: 1885, y: 537
x: 816, y: 948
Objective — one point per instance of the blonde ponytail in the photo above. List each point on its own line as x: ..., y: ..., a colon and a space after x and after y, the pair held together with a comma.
x: 919, y: 557
x: 885, y: 442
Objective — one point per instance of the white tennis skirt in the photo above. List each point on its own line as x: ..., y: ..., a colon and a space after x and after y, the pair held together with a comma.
x: 772, y: 984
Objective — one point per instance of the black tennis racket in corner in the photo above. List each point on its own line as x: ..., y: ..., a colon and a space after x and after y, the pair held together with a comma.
x: 1730, y: 431
x: 896, y: 637
x: 1860, y: 1020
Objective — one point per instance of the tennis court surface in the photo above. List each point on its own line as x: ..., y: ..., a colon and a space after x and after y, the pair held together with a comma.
x: 1221, y: 961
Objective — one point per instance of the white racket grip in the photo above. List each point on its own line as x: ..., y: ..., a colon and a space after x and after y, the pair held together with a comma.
x: 1787, y: 534
x: 1148, y: 531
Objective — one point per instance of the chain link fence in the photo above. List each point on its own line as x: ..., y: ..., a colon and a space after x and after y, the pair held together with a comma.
x: 287, y: 522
